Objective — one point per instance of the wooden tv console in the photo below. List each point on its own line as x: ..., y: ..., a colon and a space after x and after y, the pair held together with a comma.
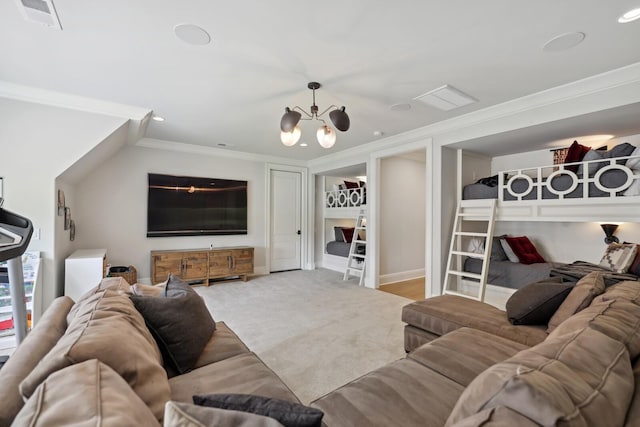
x: 202, y: 265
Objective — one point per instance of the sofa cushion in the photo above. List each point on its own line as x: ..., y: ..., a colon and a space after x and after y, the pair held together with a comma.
x: 117, y: 284
x: 415, y: 337
x: 88, y: 393
x: 42, y: 338
x: 402, y: 393
x: 244, y: 373
x: 224, y: 343
x: 445, y: 313
x: 179, y: 414
x: 628, y: 290
x: 633, y: 415
x: 578, y: 299
x: 496, y: 417
x: 463, y: 354
x: 535, y: 303
x: 618, y: 319
x: 107, y: 327
x: 169, y: 316
x: 583, y: 378
x: 290, y: 414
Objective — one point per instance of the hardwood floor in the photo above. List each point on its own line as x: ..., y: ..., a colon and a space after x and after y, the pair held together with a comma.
x: 412, y: 289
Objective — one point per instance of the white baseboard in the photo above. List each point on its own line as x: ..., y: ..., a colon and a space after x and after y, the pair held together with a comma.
x: 401, y: 276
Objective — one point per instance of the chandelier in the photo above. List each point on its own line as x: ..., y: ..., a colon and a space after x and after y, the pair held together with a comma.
x: 290, y: 131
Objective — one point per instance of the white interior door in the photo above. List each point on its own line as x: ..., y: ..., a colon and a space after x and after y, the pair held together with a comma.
x: 286, y: 214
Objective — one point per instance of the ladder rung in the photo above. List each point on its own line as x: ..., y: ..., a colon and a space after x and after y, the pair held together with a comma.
x: 470, y: 234
x: 354, y: 270
x: 465, y: 274
x: 358, y: 256
x: 475, y: 214
x: 469, y: 254
x: 361, y: 241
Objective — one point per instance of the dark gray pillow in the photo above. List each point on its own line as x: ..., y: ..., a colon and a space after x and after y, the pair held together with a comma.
x: 179, y: 321
x: 620, y: 150
x: 289, y: 414
x: 338, y: 233
x: 535, y: 303
x: 593, y: 167
x: 497, y: 253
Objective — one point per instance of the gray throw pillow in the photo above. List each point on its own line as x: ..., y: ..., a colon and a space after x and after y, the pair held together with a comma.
x: 179, y: 321
x: 620, y: 150
x: 337, y: 231
x: 593, y: 167
x: 289, y: 414
x: 535, y: 303
x: 497, y: 252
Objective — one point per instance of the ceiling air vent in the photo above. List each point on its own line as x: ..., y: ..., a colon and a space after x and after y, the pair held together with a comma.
x: 40, y: 11
x: 446, y: 98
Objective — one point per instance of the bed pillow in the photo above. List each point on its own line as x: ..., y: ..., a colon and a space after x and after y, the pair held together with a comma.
x: 337, y: 231
x: 497, y: 252
x: 634, y: 268
x: 350, y: 184
x: 535, y: 303
x: 578, y: 299
x: 620, y: 150
x: 593, y: 167
x: 575, y: 154
x: 634, y: 165
x: 524, y: 250
x: 618, y: 257
x: 169, y: 316
x: 347, y: 234
x: 511, y: 255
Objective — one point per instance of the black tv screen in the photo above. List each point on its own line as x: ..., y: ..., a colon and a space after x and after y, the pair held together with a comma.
x: 191, y: 206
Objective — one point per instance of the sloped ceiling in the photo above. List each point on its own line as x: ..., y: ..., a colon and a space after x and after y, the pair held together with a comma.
x: 368, y: 55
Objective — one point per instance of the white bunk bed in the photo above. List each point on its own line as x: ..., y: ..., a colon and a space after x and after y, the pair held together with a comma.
x: 341, y: 207
x: 604, y: 190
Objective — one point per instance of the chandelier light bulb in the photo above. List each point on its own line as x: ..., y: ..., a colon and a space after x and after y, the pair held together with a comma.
x: 326, y: 136
x: 290, y: 138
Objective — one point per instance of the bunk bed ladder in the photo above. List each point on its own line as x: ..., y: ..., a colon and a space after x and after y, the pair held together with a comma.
x: 480, y: 211
x: 356, y: 261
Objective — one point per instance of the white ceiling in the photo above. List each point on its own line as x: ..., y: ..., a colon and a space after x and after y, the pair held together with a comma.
x: 367, y: 54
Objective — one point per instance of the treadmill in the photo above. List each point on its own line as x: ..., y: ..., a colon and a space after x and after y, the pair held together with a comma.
x: 15, y: 234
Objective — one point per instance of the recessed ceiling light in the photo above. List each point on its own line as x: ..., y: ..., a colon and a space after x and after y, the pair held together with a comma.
x: 304, y: 144
x: 563, y: 42
x: 378, y: 133
x: 632, y: 15
x: 192, y: 34
x: 158, y: 118
x: 400, y: 107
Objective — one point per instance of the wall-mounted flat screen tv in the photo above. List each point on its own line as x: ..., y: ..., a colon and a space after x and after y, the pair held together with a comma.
x: 192, y: 206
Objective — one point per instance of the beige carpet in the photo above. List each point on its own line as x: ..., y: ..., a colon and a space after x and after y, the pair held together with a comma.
x: 316, y: 331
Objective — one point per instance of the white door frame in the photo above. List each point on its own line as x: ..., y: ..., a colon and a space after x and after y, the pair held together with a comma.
x: 303, y: 214
x: 372, y: 279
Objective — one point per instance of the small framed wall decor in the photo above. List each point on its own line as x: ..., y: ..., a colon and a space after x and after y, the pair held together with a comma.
x: 61, y: 203
x: 72, y: 230
x: 67, y: 218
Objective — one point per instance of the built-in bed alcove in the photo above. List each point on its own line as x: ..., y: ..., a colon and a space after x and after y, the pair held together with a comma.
x: 559, y: 207
x: 341, y: 194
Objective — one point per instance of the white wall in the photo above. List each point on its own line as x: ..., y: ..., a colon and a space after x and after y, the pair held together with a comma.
x: 402, y: 218
x: 112, y: 213
x: 38, y: 143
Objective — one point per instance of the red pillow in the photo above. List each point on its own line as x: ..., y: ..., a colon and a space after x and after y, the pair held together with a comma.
x: 575, y: 154
x: 350, y: 184
x: 524, y: 250
x: 347, y: 234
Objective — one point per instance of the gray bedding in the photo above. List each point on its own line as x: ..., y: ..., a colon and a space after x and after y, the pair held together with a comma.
x: 342, y: 248
x: 610, y: 179
x: 509, y: 274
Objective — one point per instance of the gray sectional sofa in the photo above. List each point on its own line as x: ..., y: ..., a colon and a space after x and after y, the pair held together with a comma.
x: 467, y: 365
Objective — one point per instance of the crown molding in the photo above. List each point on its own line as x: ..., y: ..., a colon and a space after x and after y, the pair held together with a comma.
x: 160, y: 144
x: 73, y: 102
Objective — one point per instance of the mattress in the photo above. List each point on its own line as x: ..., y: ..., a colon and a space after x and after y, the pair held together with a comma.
x: 342, y: 248
x: 509, y: 274
x: 610, y: 179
